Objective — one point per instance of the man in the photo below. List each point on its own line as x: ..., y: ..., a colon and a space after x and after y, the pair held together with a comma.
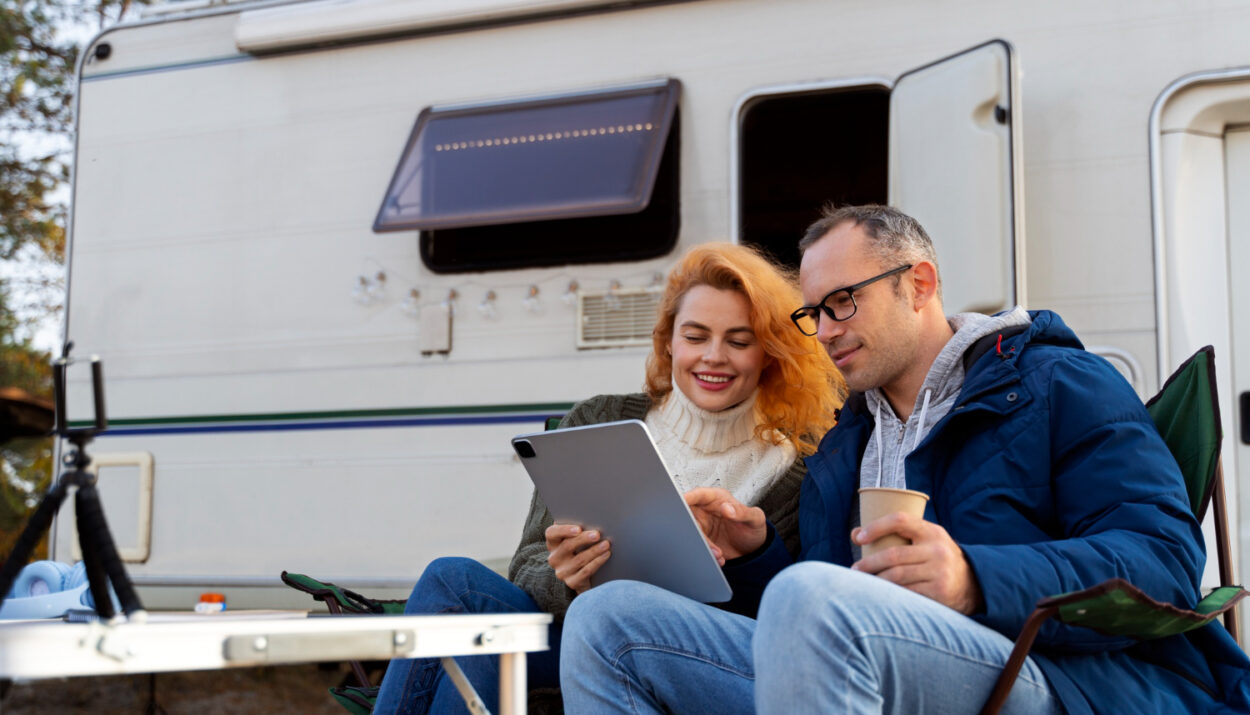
x: 1045, y: 475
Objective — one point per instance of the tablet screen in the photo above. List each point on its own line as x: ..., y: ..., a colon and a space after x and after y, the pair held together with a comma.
x: 610, y: 477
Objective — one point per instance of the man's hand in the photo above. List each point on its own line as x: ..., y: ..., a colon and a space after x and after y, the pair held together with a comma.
x: 730, y: 527
x: 575, y: 554
x: 933, y: 565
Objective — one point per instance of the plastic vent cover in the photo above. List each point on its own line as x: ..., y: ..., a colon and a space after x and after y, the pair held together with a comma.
x: 616, y: 319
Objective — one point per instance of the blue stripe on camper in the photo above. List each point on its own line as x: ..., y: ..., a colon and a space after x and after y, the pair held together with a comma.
x: 329, y: 424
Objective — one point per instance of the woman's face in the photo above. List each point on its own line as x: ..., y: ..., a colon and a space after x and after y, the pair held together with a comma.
x: 717, y: 359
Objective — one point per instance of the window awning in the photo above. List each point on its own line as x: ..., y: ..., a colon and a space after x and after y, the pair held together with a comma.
x: 589, y: 154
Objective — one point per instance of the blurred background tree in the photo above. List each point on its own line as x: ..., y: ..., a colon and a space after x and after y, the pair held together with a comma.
x: 39, y: 48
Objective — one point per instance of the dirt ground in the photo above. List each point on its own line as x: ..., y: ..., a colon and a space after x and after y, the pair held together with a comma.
x: 278, y: 689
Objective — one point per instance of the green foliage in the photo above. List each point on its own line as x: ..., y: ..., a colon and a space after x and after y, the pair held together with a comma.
x: 25, y: 464
x: 36, y: 108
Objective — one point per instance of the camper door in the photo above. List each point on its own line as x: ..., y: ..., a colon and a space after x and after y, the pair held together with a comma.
x: 955, y: 166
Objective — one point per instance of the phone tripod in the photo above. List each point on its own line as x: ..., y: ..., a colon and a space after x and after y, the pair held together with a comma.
x: 104, y: 566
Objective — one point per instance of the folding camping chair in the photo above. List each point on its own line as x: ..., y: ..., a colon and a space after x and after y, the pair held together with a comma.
x: 1186, y: 412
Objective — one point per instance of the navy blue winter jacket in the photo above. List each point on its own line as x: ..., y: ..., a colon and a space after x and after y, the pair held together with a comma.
x: 1050, y: 475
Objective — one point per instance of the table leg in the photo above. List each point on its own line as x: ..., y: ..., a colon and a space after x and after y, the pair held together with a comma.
x: 471, y: 699
x: 512, y: 689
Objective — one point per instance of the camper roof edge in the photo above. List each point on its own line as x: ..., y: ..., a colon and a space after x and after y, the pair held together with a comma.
x: 273, y: 29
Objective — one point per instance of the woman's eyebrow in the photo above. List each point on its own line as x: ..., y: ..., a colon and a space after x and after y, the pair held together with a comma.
x: 700, y: 326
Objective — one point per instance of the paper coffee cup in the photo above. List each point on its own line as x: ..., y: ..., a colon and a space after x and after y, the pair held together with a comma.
x: 876, y: 502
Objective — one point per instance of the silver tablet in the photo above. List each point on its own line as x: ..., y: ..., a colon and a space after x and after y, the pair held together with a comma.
x: 610, y: 477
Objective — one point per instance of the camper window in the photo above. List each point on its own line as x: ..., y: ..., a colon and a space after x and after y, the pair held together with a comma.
x: 540, y: 182
x: 799, y: 149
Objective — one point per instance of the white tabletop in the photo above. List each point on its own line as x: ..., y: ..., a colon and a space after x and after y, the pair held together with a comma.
x: 53, y: 648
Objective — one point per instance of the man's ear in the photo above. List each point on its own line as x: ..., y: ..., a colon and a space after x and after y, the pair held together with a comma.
x: 924, y: 284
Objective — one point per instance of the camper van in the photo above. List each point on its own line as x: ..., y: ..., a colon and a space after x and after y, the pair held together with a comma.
x: 335, y: 254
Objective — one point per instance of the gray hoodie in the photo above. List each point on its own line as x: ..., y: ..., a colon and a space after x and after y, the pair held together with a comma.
x: 892, y: 440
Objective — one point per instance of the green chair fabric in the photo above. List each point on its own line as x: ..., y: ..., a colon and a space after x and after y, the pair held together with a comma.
x: 356, y: 700
x: 1117, y: 608
x: 1186, y: 412
x: 339, y: 599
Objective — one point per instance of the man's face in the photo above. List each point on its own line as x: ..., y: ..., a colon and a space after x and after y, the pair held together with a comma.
x: 879, y: 343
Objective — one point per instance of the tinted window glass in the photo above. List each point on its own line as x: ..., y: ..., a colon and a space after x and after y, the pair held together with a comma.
x: 592, y: 154
x: 802, y: 150
x: 599, y: 239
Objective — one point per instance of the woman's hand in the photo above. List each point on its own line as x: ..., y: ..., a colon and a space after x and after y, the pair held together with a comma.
x: 575, y: 554
x: 730, y: 527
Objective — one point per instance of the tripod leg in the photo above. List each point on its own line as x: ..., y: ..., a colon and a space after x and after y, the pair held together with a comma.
x: 38, y: 524
x: 94, y: 536
x: 97, y: 578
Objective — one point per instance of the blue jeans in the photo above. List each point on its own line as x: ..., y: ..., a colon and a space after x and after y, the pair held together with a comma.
x: 457, y: 585
x: 828, y: 640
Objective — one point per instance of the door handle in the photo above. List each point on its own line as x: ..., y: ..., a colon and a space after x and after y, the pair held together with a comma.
x: 1245, y: 417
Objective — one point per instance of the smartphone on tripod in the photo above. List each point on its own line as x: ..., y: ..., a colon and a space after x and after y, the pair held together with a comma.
x: 100, y: 557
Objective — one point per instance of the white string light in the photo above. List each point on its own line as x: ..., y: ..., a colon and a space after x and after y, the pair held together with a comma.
x: 611, y: 300
x: 569, y: 297
x: 530, y: 302
x: 557, y: 135
x: 370, y: 290
x: 360, y: 291
x: 377, y: 288
x: 487, y: 307
x: 411, y: 306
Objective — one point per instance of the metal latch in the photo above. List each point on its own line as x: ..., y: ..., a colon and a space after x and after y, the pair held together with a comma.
x: 288, y: 647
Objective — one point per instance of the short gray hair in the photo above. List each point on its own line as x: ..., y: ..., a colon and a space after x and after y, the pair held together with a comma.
x: 894, y: 237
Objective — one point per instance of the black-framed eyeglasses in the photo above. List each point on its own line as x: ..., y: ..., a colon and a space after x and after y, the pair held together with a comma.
x: 839, y: 304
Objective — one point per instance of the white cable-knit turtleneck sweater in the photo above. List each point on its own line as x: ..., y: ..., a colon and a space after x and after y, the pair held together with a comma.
x: 717, y: 449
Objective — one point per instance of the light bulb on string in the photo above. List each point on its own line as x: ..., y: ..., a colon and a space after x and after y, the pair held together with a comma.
x: 411, y: 305
x: 531, y: 302
x: 377, y: 287
x: 488, y: 307
x: 360, y: 291
x: 611, y: 300
x: 569, y: 297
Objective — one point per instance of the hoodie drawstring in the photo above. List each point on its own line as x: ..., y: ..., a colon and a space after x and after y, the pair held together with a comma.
x: 924, y: 409
x: 876, y: 415
x: 877, y: 430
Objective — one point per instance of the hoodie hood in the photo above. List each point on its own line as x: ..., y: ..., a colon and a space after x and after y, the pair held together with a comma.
x: 892, y: 439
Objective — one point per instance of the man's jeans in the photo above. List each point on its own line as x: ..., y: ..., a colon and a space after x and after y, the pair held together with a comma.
x: 456, y: 585
x: 828, y: 640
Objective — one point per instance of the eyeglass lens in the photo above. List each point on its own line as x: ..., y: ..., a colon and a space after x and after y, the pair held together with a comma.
x: 839, y: 305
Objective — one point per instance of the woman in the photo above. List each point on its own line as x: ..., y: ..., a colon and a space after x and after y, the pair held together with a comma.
x: 734, y: 398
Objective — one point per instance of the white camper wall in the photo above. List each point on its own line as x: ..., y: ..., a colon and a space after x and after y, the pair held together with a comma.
x: 223, y: 209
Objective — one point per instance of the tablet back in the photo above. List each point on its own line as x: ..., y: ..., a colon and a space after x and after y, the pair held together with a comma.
x: 610, y: 477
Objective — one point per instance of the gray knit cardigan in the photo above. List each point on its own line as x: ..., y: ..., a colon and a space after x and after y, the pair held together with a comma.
x: 529, y: 568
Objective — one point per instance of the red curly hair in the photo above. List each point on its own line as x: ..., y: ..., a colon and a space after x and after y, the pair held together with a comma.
x: 799, y: 388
